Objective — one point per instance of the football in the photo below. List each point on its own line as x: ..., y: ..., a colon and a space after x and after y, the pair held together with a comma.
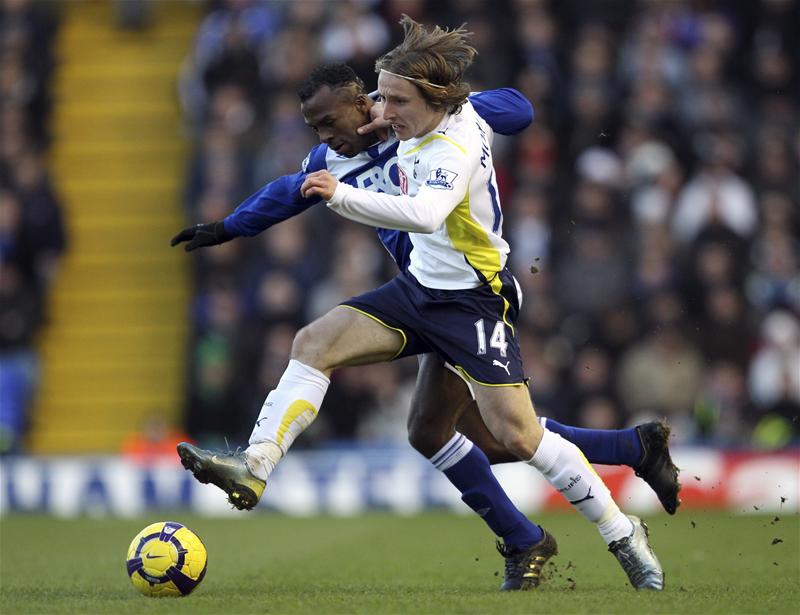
x: 166, y: 559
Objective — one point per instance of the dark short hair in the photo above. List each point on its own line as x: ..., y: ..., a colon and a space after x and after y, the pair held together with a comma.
x: 332, y: 75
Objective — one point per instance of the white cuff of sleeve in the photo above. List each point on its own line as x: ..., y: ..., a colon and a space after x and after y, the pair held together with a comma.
x: 339, y: 194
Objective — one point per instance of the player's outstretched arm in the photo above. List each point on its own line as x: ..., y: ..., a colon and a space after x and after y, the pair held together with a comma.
x: 271, y: 204
x: 424, y: 212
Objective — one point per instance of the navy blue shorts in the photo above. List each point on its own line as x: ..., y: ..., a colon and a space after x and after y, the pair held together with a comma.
x: 472, y: 329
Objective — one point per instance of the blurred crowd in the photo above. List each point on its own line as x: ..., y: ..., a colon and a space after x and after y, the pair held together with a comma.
x: 652, y: 209
x: 32, y: 236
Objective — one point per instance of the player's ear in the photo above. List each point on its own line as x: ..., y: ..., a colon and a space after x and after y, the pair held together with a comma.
x: 363, y: 103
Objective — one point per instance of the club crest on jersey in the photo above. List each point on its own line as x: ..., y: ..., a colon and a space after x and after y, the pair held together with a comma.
x: 441, y: 179
x: 401, y: 175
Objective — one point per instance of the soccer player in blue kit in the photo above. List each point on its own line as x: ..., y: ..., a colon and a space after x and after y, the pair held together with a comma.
x: 335, y: 109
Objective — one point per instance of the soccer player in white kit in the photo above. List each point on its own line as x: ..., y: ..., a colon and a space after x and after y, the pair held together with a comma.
x: 456, y: 299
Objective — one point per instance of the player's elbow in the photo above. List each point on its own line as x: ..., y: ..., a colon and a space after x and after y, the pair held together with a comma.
x: 524, y: 108
x: 426, y: 228
x: 428, y: 223
x: 526, y: 117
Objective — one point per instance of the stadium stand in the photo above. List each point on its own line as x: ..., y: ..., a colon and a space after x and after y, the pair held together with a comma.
x: 32, y: 233
x: 652, y: 207
x: 113, y: 344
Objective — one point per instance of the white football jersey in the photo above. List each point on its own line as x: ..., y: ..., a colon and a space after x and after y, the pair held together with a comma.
x: 449, y: 206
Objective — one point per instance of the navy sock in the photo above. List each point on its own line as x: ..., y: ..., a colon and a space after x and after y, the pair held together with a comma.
x: 614, y: 447
x: 472, y: 476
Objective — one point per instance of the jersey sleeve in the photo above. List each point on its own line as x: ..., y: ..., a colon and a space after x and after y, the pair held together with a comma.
x: 506, y: 110
x: 275, y: 202
x: 447, y: 174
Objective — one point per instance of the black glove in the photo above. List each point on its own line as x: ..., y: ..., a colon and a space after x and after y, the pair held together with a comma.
x: 202, y: 235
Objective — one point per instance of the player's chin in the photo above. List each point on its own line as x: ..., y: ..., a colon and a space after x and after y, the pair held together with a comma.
x: 344, y: 149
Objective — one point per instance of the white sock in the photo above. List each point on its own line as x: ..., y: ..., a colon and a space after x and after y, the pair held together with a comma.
x: 262, y: 457
x: 565, y: 467
x: 451, y: 453
x: 288, y: 410
x: 614, y: 524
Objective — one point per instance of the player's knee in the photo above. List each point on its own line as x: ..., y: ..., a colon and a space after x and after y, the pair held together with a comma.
x: 301, y: 343
x: 521, y: 439
x: 307, y: 349
x: 425, y: 437
x: 520, y: 445
x: 424, y: 443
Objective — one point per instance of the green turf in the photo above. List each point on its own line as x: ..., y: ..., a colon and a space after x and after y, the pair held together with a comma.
x: 435, y: 563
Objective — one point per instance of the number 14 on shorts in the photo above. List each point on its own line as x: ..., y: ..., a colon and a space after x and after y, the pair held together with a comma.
x: 497, y: 339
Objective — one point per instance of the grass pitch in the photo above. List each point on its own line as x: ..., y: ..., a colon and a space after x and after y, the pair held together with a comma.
x: 434, y: 563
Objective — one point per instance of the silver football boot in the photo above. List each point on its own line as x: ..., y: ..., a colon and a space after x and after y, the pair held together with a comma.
x: 228, y: 471
x: 637, y: 559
